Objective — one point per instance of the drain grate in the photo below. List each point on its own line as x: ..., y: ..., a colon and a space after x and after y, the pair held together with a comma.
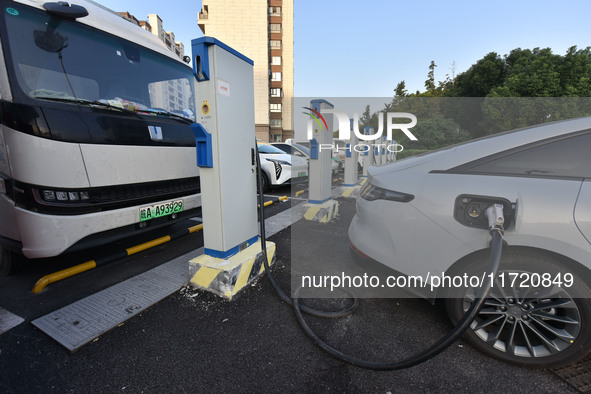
x: 578, y: 375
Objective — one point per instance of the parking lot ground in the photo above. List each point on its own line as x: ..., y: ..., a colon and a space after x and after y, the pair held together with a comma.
x: 194, y: 341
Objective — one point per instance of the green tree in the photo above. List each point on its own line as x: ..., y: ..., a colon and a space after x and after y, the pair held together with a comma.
x: 365, y: 119
x: 400, y: 90
x: 488, y: 73
x: 430, y: 82
x: 436, y: 132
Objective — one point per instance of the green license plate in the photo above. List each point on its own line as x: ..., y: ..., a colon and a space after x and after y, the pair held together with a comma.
x: 159, y: 210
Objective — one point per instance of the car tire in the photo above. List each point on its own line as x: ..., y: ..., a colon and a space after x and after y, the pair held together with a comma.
x: 266, y: 185
x: 544, y: 326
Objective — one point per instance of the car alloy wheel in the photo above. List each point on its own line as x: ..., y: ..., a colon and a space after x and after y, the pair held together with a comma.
x: 526, y: 320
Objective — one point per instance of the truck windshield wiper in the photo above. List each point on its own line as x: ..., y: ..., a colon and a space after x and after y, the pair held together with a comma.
x: 89, y: 103
x: 169, y: 114
x: 111, y: 106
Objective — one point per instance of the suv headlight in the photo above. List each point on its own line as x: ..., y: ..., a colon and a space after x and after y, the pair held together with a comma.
x: 283, y: 162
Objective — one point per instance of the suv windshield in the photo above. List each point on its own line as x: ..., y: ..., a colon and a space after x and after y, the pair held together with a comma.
x: 55, y: 58
x: 303, y: 148
x: 269, y: 149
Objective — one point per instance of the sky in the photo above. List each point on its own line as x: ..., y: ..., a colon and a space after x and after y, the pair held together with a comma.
x: 351, y: 48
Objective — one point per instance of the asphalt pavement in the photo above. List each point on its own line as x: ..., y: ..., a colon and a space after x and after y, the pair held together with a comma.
x: 195, y: 341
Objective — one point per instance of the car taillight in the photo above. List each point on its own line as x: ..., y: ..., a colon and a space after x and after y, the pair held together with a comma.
x: 371, y: 193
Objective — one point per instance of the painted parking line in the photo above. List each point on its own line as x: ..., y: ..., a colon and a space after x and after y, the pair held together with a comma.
x: 79, y: 323
x: 8, y: 320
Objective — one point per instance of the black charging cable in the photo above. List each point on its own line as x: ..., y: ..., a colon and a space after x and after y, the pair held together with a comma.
x: 311, y: 311
x: 496, y: 232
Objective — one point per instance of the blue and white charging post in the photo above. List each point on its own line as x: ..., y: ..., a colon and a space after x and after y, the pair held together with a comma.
x: 225, y: 143
x: 351, y: 164
x: 368, y: 155
x: 321, y: 206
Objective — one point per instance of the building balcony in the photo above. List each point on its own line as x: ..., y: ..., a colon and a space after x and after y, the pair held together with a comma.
x: 275, y: 19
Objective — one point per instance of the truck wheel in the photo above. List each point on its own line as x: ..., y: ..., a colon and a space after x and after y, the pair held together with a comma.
x: 7, y: 262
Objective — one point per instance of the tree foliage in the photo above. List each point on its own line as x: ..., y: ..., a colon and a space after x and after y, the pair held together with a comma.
x: 522, y: 88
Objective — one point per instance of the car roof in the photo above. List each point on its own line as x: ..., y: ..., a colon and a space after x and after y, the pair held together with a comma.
x: 468, y: 151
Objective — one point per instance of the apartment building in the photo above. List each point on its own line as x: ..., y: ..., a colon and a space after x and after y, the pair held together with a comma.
x: 263, y: 31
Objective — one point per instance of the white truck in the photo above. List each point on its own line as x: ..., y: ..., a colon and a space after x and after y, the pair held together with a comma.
x: 95, y: 136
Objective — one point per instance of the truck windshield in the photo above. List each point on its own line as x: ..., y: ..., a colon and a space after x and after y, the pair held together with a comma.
x: 54, y: 58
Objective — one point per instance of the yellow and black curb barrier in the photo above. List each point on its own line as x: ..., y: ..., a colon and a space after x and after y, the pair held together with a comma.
x: 300, y: 192
x: 91, y: 264
x: 274, y: 200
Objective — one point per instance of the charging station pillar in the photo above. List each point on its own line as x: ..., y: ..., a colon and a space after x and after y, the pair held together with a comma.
x: 378, y: 151
x: 225, y: 143
x: 321, y: 206
x: 351, y: 165
x: 383, y: 151
x: 368, y: 155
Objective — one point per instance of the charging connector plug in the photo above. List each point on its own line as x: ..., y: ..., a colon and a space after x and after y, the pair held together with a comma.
x: 496, y: 218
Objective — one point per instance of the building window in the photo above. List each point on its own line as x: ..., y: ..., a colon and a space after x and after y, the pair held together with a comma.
x: 276, y: 60
x: 276, y: 76
x: 275, y: 92
x: 275, y: 28
x: 275, y: 107
x: 274, y: 11
x: 275, y: 44
x: 277, y: 137
x: 275, y: 123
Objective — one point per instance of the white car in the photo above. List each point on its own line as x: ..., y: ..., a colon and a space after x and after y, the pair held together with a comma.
x: 304, y: 152
x: 280, y: 168
x: 425, y: 215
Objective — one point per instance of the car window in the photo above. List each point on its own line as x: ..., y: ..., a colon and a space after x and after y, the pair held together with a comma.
x: 303, y: 148
x: 567, y: 157
x: 284, y: 147
x: 269, y: 149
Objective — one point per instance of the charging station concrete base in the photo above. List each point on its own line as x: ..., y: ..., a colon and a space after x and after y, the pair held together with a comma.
x: 226, y: 277
x: 322, y: 213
